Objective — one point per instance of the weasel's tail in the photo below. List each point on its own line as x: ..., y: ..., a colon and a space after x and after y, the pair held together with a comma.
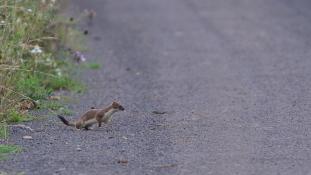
x: 66, y: 122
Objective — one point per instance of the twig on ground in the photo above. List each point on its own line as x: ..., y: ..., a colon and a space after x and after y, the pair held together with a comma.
x: 166, y: 166
x: 23, y: 127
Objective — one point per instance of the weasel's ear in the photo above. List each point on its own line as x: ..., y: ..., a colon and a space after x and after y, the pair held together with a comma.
x: 115, y: 104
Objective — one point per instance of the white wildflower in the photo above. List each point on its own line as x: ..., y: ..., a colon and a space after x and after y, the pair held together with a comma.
x: 48, y: 62
x: 52, y: 3
x: 36, y: 50
x: 79, y: 57
x: 2, y: 22
x: 18, y: 20
x: 29, y: 10
x: 83, y: 59
x: 58, y: 72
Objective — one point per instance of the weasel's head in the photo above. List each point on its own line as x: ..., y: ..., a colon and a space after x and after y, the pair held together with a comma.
x: 117, y: 106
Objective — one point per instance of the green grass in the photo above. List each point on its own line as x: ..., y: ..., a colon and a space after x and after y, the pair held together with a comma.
x: 52, y: 105
x: 93, y: 65
x: 4, y: 134
x: 8, y: 149
x: 15, y: 116
x: 40, y: 87
x: 65, y: 111
x: 32, y: 86
x: 56, y: 107
x: 64, y: 82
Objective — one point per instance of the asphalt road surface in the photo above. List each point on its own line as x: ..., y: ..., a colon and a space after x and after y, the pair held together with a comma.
x: 210, y: 87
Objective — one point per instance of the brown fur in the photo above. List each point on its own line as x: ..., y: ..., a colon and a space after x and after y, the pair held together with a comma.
x: 94, y: 116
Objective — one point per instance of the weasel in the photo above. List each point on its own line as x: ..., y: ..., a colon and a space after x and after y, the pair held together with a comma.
x: 93, y: 116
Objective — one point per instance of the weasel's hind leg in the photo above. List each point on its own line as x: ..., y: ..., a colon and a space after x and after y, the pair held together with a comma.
x: 79, y: 125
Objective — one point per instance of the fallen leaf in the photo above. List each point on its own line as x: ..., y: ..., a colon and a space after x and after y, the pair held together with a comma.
x: 27, y: 104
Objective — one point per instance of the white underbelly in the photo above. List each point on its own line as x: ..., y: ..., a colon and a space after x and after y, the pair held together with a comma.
x: 90, y: 122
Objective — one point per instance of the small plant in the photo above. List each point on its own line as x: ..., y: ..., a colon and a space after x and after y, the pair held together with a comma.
x: 64, y: 82
x: 32, y: 87
x: 55, y: 107
x: 52, y: 105
x: 15, y: 116
x: 65, y: 111
x: 8, y: 149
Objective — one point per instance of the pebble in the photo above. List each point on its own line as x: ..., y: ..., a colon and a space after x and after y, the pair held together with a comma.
x: 27, y: 137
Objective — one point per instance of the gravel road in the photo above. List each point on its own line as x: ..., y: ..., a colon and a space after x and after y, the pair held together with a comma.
x: 210, y: 87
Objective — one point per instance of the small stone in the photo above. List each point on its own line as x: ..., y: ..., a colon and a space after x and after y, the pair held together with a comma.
x: 60, y: 169
x: 27, y: 137
x: 79, y: 149
x: 124, y: 162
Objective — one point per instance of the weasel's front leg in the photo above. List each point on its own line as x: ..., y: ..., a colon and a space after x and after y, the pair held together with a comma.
x: 87, y: 127
x: 98, y: 118
x: 99, y: 124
